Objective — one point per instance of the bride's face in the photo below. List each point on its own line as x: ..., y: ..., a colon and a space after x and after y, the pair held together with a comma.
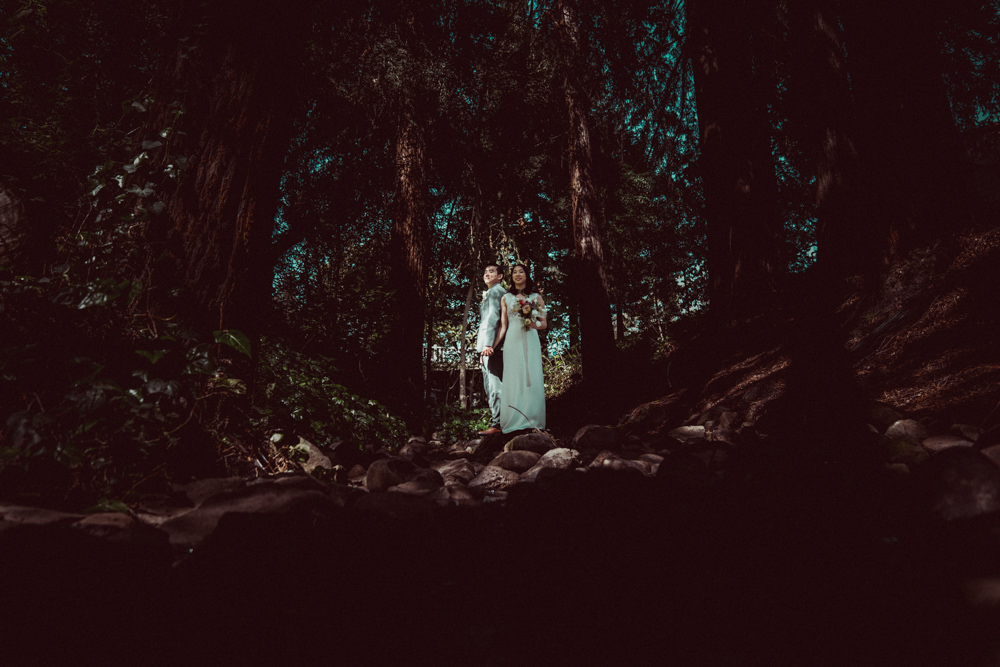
x: 519, y: 277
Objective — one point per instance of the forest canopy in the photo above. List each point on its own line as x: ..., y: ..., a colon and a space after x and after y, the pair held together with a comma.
x: 223, y: 220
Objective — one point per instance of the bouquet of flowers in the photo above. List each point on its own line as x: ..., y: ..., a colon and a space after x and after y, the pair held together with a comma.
x: 528, y: 311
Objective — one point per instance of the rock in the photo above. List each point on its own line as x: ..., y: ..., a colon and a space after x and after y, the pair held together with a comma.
x: 428, y: 475
x: 683, y: 469
x: 357, y: 474
x: 653, y: 461
x: 532, y: 442
x: 398, y: 506
x: 464, y: 495
x: 36, y: 516
x: 422, y: 487
x: 883, y: 416
x: 486, y: 443
x: 714, y: 457
x: 338, y: 474
x: 607, y: 460
x: 937, y: 443
x: 190, y: 526
x: 651, y: 416
x: 729, y: 421
x: 518, y: 461
x: 415, y: 449
x: 966, y: 431
x: 906, y: 451
x: 727, y: 436
x: 201, y: 489
x: 558, y: 459
x: 593, y: 436
x: 387, y: 472
x: 541, y: 473
x: 711, y: 415
x: 105, y: 524
x: 989, y: 437
x: 662, y: 442
x: 903, y: 428
x: 688, y: 433
x: 315, y: 458
x: 958, y: 482
x: 456, y: 470
x: 456, y: 450
x: 992, y: 453
x: 492, y: 478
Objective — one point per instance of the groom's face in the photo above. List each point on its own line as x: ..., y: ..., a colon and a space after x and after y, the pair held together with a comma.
x: 491, y: 275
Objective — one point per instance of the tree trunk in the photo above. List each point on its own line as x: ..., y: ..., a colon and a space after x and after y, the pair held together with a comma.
x: 224, y: 103
x: 408, y: 252
x: 463, y: 353
x: 737, y: 165
x: 822, y: 109
x: 592, y: 286
x: 477, y: 238
x: 910, y: 159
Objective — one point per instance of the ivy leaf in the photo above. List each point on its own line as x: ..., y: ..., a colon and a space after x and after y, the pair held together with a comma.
x: 235, y: 339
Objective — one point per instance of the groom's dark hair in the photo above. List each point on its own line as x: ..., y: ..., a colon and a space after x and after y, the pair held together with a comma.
x: 498, y: 267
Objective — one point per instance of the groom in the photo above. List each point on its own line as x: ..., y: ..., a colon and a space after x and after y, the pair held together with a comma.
x: 491, y: 360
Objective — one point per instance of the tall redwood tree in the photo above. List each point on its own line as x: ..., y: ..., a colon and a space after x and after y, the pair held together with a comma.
x: 223, y: 105
x: 597, y: 333
x: 408, y: 262
x: 821, y: 110
x: 736, y: 161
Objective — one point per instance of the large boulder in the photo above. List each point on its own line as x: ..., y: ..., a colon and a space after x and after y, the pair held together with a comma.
x: 958, y: 482
x: 460, y: 471
x: 492, y: 478
x: 517, y: 461
x: 595, y: 437
x: 532, y: 442
x: 553, y: 461
x: 388, y: 472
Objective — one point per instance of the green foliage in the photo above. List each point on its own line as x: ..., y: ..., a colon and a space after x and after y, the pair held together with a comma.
x: 88, y: 393
x: 562, y: 372
x: 456, y: 424
x: 299, y: 391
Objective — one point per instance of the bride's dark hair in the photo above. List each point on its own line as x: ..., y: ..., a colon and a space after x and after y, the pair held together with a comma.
x: 529, y: 284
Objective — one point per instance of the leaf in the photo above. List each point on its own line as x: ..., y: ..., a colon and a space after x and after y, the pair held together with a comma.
x: 235, y: 339
x: 152, y: 355
x: 108, y: 505
x: 147, y: 145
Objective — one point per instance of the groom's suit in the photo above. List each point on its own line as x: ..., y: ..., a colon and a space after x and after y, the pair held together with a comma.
x: 492, y: 366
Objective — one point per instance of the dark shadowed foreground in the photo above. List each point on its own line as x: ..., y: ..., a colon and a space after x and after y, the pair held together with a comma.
x: 602, y: 568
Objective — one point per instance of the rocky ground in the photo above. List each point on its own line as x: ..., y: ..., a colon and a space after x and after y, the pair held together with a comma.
x: 641, y: 542
x: 766, y: 496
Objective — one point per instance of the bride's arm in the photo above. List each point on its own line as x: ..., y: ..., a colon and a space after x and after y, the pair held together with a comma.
x: 542, y: 322
x: 502, y: 331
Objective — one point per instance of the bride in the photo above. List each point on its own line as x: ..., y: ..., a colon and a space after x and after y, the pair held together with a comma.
x: 522, y: 399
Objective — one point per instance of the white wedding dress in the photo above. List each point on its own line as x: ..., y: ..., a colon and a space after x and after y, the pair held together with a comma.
x: 522, y: 399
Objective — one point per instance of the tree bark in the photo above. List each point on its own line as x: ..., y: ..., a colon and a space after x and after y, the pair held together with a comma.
x: 737, y: 165
x: 224, y: 102
x: 463, y: 396
x: 479, y: 258
x: 597, y: 333
x: 822, y: 109
x: 910, y: 159
x: 408, y: 270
